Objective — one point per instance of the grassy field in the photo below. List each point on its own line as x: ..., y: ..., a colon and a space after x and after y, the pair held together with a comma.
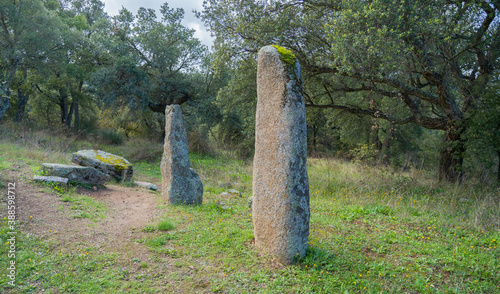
x: 372, y: 231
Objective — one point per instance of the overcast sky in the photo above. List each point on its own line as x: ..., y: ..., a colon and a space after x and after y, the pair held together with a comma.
x: 113, y: 6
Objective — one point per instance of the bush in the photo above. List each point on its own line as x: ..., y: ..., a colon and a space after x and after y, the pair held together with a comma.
x: 111, y: 137
x: 138, y: 150
x: 364, y: 152
x: 199, y: 144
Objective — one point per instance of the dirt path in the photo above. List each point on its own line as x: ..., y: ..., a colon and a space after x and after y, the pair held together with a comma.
x: 128, y: 209
x: 41, y: 211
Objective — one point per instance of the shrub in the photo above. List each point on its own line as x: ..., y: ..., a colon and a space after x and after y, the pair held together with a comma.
x: 364, y: 152
x: 200, y: 144
x: 138, y: 150
x: 111, y: 137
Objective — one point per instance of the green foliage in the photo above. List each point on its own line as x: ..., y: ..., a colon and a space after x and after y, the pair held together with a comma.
x: 77, y: 65
x: 389, y: 60
x: 483, y: 136
x: 111, y: 137
x: 364, y: 153
x: 159, y: 241
x: 152, y: 62
x: 237, y: 102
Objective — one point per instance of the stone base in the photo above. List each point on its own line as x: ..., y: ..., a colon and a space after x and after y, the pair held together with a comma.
x: 79, y: 174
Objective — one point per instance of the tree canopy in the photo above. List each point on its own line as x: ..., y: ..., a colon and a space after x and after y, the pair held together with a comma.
x: 154, y: 61
x: 406, y: 62
x: 381, y: 77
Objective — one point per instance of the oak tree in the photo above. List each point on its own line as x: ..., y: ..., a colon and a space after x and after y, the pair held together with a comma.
x: 427, y: 63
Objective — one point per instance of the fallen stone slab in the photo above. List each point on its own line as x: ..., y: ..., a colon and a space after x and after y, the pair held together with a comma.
x: 78, y: 174
x: 146, y: 185
x: 113, y: 165
x: 51, y: 179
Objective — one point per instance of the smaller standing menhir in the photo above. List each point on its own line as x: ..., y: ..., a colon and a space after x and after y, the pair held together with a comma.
x: 180, y: 183
x: 280, y: 207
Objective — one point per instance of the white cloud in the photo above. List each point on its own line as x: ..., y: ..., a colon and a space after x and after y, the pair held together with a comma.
x: 200, y: 33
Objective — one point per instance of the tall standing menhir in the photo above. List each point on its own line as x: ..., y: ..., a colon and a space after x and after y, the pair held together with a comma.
x: 280, y: 208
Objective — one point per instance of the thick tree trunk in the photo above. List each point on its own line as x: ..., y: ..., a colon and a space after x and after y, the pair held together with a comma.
x: 498, y: 167
x: 4, y: 105
x: 63, y: 98
x: 314, y: 136
x: 76, y: 125
x: 452, y: 156
x: 386, y: 146
x: 375, y: 140
x: 22, y: 100
x: 69, y: 117
x: 5, y: 88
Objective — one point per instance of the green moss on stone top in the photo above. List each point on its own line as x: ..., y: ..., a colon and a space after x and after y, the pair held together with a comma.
x: 286, y: 55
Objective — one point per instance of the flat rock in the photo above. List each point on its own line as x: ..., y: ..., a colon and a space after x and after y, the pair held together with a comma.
x: 146, y: 185
x: 235, y: 192
x: 78, y: 174
x: 231, y: 192
x: 113, y: 165
x: 51, y: 179
x: 226, y: 185
x: 222, y: 205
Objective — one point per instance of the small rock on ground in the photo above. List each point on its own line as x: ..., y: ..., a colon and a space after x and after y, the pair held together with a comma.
x: 51, y: 179
x: 146, y: 185
x: 222, y: 205
x: 232, y: 192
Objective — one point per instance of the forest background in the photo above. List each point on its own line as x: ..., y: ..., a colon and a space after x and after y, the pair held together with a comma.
x: 410, y: 84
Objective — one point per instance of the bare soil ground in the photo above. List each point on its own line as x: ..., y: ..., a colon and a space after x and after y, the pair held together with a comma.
x: 41, y: 212
x: 128, y: 209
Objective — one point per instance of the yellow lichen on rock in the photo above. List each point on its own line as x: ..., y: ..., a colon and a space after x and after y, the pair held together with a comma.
x: 117, y: 161
x: 114, y: 165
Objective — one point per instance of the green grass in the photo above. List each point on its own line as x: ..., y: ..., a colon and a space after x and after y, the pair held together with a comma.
x: 149, y: 228
x: 44, y: 266
x: 371, y: 231
x: 85, y: 207
x: 80, y: 206
x: 165, y: 225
